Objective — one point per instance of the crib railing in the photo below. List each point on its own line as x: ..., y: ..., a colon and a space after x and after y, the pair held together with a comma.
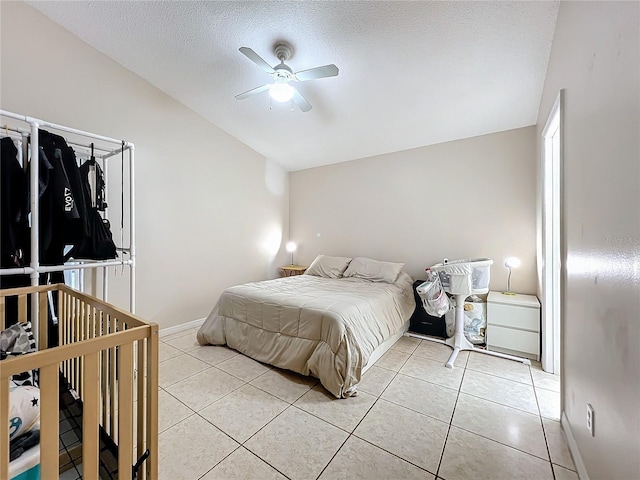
x: 109, y: 358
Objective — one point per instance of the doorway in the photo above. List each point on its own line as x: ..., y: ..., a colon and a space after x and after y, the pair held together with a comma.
x: 551, y: 237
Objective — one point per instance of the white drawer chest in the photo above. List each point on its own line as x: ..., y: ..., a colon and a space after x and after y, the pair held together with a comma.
x: 513, y: 324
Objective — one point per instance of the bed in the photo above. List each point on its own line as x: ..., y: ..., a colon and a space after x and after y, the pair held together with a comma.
x: 330, y: 322
x: 108, y: 359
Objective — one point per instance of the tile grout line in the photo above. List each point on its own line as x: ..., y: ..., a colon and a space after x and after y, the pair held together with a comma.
x: 263, y: 460
x: 209, y: 366
x: 349, y: 434
x: 261, y: 428
x: 241, y: 446
x: 391, y: 453
x: 287, y: 408
x: 446, y: 438
x: 222, y: 460
x: 502, y: 404
x: 511, y: 446
x: 379, y: 397
x: 184, y: 378
x: 212, y: 364
x: 333, y: 456
x: 544, y: 430
x: 503, y: 444
x: 502, y: 377
x: 279, y: 398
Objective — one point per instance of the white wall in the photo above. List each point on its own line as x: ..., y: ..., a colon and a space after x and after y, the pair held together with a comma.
x: 595, y: 58
x: 462, y: 199
x: 210, y: 211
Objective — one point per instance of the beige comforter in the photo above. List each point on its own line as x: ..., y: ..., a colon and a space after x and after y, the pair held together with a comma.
x: 312, y: 325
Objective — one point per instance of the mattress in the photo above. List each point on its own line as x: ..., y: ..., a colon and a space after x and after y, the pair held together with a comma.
x: 312, y: 325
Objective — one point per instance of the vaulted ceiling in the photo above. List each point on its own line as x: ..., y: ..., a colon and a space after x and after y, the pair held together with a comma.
x: 411, y: 73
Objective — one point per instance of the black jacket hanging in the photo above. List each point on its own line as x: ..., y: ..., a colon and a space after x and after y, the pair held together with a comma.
x: 98, y: 244
x: 63, y: 212
x: 14, y: 202
x: 14, y: 230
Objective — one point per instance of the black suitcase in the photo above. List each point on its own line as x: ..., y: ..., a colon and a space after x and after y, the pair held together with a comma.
x: 422, y: 322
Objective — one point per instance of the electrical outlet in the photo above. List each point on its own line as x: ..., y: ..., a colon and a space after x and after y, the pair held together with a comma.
x: 590, y: 419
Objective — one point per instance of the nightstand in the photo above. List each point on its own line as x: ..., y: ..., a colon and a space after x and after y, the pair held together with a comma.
x: 291, y: 270
x: 513, y: 324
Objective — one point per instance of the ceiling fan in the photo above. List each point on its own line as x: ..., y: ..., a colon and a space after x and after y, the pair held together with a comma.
x: 281, y: 90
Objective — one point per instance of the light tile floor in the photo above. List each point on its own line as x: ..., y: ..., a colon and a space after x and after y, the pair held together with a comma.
x: 225, y: 416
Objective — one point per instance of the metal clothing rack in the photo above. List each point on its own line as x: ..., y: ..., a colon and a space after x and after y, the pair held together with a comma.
x: 30, y: 143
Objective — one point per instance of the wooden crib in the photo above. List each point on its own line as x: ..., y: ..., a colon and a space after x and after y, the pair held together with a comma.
x: 109, y: 358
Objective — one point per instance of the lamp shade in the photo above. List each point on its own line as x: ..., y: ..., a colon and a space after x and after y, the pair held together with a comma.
x: 512, y: 262
x: 509, y: 263
x: 291, y: 247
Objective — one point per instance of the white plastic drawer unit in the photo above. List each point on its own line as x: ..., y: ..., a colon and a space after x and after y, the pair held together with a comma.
x: 513, y: 324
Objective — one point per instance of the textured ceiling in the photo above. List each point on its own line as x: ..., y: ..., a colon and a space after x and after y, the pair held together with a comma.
x: 411, y: 73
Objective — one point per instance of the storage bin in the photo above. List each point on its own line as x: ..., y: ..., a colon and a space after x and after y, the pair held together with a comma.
x: 423, y: 323
x: 434, y: 299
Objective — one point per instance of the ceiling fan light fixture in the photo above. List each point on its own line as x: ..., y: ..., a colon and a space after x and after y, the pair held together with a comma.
x: 281, y: 92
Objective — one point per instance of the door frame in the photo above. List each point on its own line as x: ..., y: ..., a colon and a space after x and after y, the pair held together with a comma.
x: 552, y: 236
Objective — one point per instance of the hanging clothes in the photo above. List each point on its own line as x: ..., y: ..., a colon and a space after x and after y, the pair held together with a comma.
x: 14, y: 230
x: 98, y: 245
x: 14, y: 200
x: 63, y: 212
x: 44, y: 174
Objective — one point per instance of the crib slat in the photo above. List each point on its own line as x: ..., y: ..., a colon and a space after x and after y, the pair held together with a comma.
x: 125, y: 412
x: 49, y: 419
x: 76, y: 338
x: 142, y: 401
x: 152, y: 403
x: 70, y: 333
x: 104, y: 380
x: 4, y: 427
x: 22, y: 308
x: 113, y: 392
x: 90, y: 414
x: 2, y: 315
x: 63, y: 323
x: 43, y: 321
x: 94, y: 316
x: 81, y: 330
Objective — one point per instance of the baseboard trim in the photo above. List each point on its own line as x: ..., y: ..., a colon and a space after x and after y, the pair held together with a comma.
x: 183, y: 326
x: 573, y: 448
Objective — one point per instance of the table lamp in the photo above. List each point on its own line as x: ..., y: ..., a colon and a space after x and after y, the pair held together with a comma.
x: 509, y: 263
x: 291, y: 247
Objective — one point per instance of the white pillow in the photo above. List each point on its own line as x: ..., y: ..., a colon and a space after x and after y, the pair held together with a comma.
x: 374, y: 270
x: 328, y: 267
x: 24, y: 409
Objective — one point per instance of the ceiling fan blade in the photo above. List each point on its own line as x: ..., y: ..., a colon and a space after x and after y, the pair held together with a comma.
x: 300, y: 101
x: 257, y: 59
x: 318, y: 72
x: 253, y: 91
